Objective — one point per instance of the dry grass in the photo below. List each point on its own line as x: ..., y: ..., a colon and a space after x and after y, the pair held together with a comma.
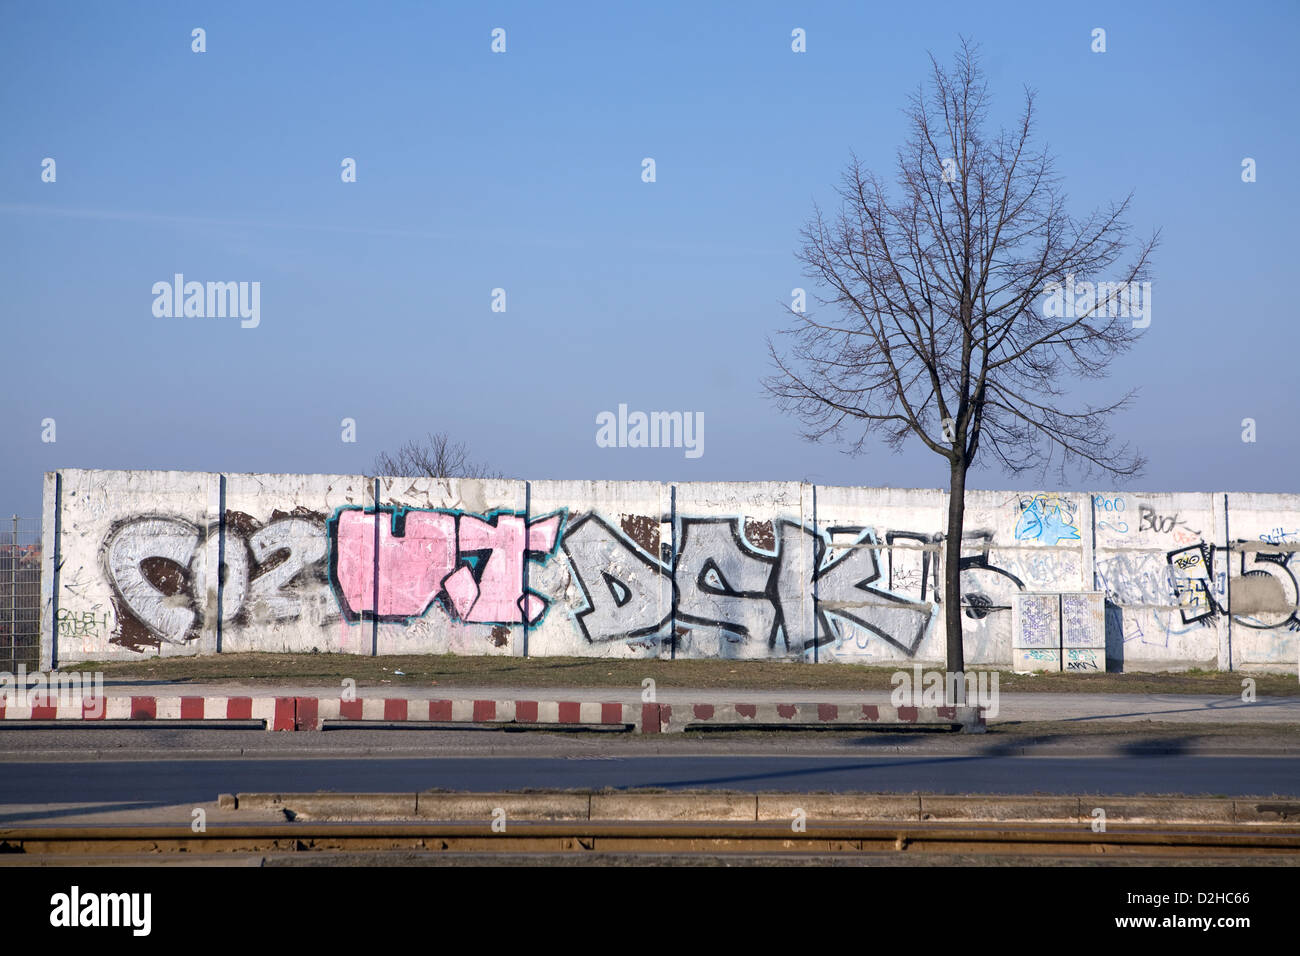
x: 426, y: 670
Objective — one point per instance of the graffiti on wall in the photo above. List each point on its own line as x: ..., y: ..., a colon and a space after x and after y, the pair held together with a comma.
x: 1047, y: 518
x: 735, y: 581
x: 303, y: 564
x: 1187, y: 584
x: 1109, y: 511
x: 741, y: 583
x: 473, y: 565
x: 1265, y: 594
x: 84, y: 624
x: 1185, y: 593
x: 708, y: 586
x: 157, y: 568
x: 986, y: 587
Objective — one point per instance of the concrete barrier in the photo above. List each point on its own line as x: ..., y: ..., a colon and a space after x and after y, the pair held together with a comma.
x: 674, y: 806
x: 358, y: 564
x: 839, y: 806
x: 311, y: 713
x: 276, y: 713
x: 675, y: 718
x: 314, y: 711
x: 325, y: 806
x: 826, y: 808
x: 1001, y: 808
x: 516, y: 806
x: 1266, y: 811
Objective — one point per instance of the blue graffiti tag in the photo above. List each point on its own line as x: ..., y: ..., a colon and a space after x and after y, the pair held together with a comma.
x: 1046, y: 518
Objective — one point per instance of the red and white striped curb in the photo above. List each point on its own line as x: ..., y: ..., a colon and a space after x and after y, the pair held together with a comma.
x: 277, y: 712
x: 310, y: 713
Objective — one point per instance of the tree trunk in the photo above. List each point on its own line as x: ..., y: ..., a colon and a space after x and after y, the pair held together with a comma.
x: 956, y: 657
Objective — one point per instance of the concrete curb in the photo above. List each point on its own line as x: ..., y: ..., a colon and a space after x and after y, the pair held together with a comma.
x: 839, y: 807
x: 673, y: 806
x: 678, y: 717
x: 517, y: 806
x: 319, y: 806
x: 739, y: 807
x: 311, y: 713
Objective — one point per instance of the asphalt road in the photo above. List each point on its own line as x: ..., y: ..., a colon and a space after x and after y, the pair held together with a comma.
x: 162, y: 782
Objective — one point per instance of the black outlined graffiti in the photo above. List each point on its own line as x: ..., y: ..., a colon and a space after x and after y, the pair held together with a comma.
x: 981, y: 581
x: 157, y: 567
x: 626, y: 593
x: 847, y: 589
x: 148, y: 563
x: 759, y: 597
x: 1190, y: 578
x: 725, y: 582
x: 1266, y: 594
x: 982, y: 589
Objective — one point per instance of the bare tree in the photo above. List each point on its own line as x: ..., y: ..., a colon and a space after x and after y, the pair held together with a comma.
x: 936, y: 332
x: 436, y: 457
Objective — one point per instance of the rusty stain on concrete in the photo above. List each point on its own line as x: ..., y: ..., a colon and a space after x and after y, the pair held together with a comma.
x: 642, y: 529
x: 760, y: 534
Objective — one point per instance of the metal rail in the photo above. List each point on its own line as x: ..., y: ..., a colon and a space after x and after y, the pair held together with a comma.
x: 701, y: 838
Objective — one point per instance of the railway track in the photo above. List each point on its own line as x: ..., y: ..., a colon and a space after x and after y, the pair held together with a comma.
x: 44, y: 845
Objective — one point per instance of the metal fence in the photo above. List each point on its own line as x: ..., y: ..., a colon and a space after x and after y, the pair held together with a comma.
x: 20, y: 593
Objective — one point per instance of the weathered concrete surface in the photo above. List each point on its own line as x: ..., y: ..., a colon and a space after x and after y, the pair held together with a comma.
x: 674, y: 806
x: 773, y: 807
x: 1156, y: 809
x: 1000, y: 808
x: 331, y: 806
x: 792, y: 713
x: 516, y: 806
x: 409, y: 806
x: 839, y: 806
x: 345, y: 563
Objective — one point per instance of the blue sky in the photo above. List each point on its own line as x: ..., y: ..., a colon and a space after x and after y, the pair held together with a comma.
x: 523, y: 171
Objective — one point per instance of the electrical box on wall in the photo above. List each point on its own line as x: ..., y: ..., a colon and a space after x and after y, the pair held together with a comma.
x: 1058, y: 631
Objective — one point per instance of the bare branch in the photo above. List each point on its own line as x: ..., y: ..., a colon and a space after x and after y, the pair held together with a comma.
x: 436, y: 457
x: 932, y: 297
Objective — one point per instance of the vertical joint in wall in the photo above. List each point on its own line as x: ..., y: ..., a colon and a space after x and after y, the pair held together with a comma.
x: 528, y: 516
x: 816, y: 541
x: 374, y: 614
x: 221, y: 553
x: 672, y: 572
x: 1225, y: 654
x: 51, y: 661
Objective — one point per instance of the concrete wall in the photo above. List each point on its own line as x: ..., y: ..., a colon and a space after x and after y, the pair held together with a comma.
x: 641, y: 569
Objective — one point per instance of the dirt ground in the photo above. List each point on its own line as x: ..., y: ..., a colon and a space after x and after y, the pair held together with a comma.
x: 423, y: 670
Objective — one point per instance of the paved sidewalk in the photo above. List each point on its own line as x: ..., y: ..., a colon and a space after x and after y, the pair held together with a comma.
x: 1084, y: 708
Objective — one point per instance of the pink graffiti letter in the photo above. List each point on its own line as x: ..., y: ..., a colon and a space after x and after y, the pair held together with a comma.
x: 412, y: 565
